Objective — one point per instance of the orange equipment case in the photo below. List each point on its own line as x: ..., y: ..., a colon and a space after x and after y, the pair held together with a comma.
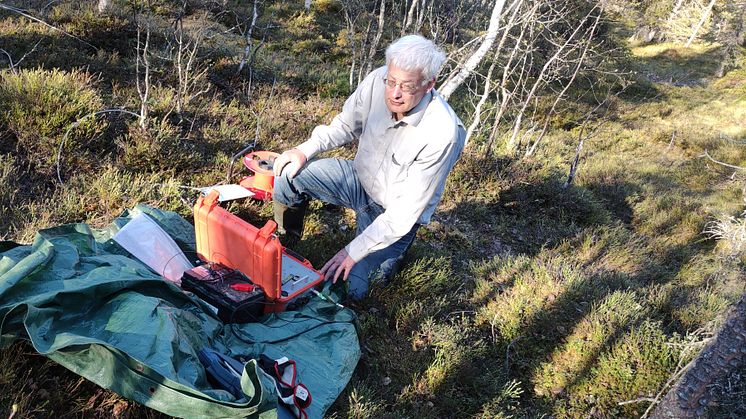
x: 257, y: 253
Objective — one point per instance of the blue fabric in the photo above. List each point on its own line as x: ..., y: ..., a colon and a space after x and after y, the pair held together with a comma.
x: 335, y: 181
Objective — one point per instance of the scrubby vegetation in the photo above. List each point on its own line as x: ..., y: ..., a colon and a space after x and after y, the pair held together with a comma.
x: 528, y: 295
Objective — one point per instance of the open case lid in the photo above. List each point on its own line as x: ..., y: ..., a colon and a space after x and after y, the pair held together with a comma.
x: 226, y: 239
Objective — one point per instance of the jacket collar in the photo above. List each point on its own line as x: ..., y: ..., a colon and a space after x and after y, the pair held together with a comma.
x: 415, y: 115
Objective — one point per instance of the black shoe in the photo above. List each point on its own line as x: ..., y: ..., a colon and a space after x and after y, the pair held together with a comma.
x: 289, y: 222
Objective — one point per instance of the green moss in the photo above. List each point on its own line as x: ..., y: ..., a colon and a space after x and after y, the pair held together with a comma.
x: 632, y: 368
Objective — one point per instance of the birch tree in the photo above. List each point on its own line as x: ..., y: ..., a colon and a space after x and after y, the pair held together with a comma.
x: 447, y: 89
x: 518, y: 62
x: 377, y: 38
x: 143, y: 76
x: 541, y: 80
x: 103, y: 5
x: 356, y: 16
x: 705, y: 14
x: 189, y: 69
x: 488, y: 79
x: 482, y: 100
x: 247, y: 52
x: 579, y: 63
x: 409, y: 17
x: 542, y: 49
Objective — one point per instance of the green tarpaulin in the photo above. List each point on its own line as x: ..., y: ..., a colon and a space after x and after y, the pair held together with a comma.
x: 84, y: 302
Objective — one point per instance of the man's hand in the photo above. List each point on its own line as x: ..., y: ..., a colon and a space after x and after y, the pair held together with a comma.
x: 294, y: 159
x: 341, y: 262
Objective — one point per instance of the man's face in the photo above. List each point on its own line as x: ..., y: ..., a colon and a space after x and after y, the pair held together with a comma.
x: 407, y: 90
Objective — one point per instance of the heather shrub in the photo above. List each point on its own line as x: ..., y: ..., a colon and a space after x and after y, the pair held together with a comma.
x: 39, y: 106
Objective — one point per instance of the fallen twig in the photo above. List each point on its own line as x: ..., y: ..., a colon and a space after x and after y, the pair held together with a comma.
x: 638, y: 400
x: 680, y: 370
x: 13, y: 65
x: 706, y: 154
x: 654, y: 402
x: 670, y: 143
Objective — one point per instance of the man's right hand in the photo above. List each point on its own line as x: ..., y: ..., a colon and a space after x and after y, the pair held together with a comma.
x: 294, y: 159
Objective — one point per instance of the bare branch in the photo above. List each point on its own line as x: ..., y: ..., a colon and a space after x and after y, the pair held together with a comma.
x: 638, y: 400
x: 582, y: 138
x: 478, y: 108
x: 670, y: 143
x: 188, y: 70
x: 46, y: 6
x: 705, y: 15
x: 36, y: 19
x: 706, y: 154
x: 13, y: 65
x: 143, y: 91
x: 78, y: 122
x: 530, y: 151
x: 541, y: 78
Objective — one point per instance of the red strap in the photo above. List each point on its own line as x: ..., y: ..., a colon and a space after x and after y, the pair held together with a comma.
x: 279, y: 375
x: 299, y: 402
x: 302, y: 400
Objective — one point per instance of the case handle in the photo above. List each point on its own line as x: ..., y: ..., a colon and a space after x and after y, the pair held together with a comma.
x: 212, y: 198
x: 268, y: 229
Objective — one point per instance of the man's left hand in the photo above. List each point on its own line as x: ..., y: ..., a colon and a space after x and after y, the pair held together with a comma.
x: 341, y: 262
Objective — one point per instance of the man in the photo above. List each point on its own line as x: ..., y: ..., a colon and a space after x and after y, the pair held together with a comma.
x: 409, y: 139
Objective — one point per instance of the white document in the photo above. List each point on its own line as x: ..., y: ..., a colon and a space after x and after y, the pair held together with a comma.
x: 228, y: 192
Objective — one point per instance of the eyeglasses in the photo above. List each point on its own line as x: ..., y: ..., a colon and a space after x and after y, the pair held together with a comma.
x: 406, y: 87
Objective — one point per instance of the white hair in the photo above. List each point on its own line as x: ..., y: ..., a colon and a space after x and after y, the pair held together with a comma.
x: 416, y: 53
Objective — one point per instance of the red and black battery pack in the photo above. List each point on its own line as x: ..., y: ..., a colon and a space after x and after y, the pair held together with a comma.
x: 225, y: 239
x: 233, y: 297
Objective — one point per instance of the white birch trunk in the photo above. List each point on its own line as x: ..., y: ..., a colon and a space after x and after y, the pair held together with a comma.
x: 420, y: 15
x: 410, y: 17
x: 103, y: 5
x: 487, y: 84
x: 448, y: 88
x: 377, y: 38
x: 705, y: 15
x: 478, y: 109
x: 506, y: 95
x: 249, y: 41
x: 362, y: 53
